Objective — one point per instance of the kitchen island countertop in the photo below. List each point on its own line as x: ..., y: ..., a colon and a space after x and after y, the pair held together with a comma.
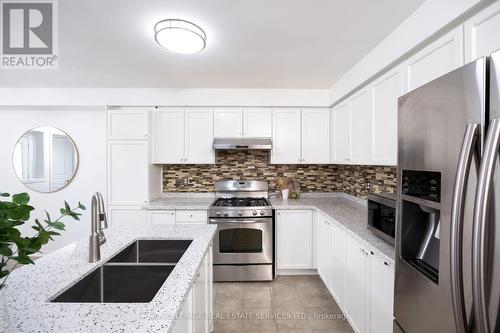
x: 30, y: 288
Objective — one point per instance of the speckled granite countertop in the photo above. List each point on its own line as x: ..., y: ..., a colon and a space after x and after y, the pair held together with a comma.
x: 347, y: 211
x: 167, y: 203
x: 31, y: 287
x: 186, y: 201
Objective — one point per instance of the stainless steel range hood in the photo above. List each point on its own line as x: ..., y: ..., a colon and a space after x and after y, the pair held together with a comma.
x: 242, y: 143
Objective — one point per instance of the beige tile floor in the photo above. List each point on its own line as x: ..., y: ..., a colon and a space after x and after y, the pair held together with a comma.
x: 287, y: 304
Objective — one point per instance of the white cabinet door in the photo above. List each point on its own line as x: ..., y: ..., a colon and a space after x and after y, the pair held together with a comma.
x: 128, y: 124
x: 191, y: 216
x: 337, y: 282
x: 162, y: 217
x: 286, y: 136
x: 184, y: 322
x: 199, y: 135
x: 385, y: 93
x: 437, y: 59
x: 360, y: 127
x: 339, y: 145
x: 200, y: 299
x: 128, y: 172
x: 481, y: 33
x: 355, y: 283
x: 168, y: 136
x: 126, y: 216
x: 315, y: 136
x: 228, y: 122
x: 323, y: 249
x: 257, y: 122
x: 381, y: 295
x: 294, y: 239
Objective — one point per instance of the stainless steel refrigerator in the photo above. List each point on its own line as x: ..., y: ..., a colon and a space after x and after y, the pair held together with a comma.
x: 448, y: 209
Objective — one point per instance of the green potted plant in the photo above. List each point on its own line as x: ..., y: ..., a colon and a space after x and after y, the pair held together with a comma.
x: 16, y: 248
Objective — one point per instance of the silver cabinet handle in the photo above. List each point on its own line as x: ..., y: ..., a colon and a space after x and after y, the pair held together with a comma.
x: 469, y: 144
x: 482, y: 205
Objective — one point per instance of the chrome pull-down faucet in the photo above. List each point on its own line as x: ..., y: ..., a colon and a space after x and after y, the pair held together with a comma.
x: 99, y: 222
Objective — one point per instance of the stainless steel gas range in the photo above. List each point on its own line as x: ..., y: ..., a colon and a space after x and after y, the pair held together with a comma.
x: 244, y: 242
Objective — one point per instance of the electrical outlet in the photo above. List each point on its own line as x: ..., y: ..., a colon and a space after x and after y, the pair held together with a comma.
x: 182, y: 181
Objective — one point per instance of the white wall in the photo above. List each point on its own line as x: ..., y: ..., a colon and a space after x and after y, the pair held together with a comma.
x: 430, y: 18
x: 86, y: 126
x: 165, y: 97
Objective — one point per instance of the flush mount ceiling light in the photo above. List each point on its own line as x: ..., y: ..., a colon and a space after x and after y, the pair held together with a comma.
x: 180, y: 36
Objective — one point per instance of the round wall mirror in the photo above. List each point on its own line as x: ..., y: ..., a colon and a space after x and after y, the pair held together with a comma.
x: 45, y: 159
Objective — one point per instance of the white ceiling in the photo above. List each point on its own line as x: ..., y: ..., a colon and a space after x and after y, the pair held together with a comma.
x: 250, y: 44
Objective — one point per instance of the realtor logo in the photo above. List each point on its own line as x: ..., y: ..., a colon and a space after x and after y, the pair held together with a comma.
x: 28, y: 34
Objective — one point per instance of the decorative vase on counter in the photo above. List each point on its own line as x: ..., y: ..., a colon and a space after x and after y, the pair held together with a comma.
x: 284, y: 194
x: 4, y: 313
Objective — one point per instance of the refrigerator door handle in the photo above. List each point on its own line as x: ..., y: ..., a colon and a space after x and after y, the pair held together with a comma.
x: 469, y: 148
x: 482, y: 203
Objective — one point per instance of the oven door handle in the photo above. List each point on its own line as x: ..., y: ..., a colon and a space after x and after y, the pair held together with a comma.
x: 235, y: 221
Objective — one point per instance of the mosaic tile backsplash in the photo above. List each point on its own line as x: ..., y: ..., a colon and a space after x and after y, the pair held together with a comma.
x: 254, y: 164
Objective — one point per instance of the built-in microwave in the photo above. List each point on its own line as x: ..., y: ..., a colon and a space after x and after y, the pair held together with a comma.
x: 382, y: 215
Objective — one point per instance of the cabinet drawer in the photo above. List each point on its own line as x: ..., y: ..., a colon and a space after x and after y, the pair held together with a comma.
x: 162, y: 217
x: 191, y: 216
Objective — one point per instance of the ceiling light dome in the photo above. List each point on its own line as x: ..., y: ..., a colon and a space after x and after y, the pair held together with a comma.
x: 180, y: 36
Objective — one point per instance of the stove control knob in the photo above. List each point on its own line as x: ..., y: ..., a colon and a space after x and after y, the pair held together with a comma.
x: 262, y: 212
x: 240, y: 213
x: 254, y: 213
x: 218, y: 213
x: 226, y: 213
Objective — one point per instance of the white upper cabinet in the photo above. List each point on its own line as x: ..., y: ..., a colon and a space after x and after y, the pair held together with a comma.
x: 286, y: 136
x: 257, y: 122
x: 385, y: 93
x: 435, y: 60
x: 199, y: 135
x: 128, y: 124
x: 183, y: 136
x: 128, y: 172
x: 360, y: 129
x: 315, y: 136
x: 339, y: 136
x: 168, y: 136
x: 482, y: 35
x: 228, y: 122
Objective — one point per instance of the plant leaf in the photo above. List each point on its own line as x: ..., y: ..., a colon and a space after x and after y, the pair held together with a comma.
x: 5, y: 250
x: 81, y: 206
x: 21, y: 198
x: 67, y: 207
x: 57, y: 225
x: 3, y: 194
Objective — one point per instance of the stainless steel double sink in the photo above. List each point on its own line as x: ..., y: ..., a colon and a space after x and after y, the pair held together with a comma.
x: 134, y: 275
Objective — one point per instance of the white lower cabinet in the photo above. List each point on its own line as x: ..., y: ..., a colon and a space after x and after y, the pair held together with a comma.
x: 195, y: 314
x: 126, y: 215
x: 162, y: 217
x: 294, y: 239
x: 191, y: 217
x: 356, y: 276
x: 359, y: 279
x: 178, y: 216
x: 381, y: 295
x: 323, y: 249
x: 337, y: 261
